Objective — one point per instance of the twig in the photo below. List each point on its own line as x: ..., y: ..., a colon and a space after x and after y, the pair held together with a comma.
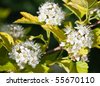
x: 54, y: 50
x: 97, y: 23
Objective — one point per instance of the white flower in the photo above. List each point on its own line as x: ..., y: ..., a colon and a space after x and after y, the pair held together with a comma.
x: 62, y: 44
x: 51, y: 13
x: 26, y: 53
x: 78, y: 38
x: 92, y: 11
x: 95, y: 11
x: 16, y: 31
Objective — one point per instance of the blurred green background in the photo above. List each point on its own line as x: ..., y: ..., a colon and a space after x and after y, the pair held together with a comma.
x: 10, y: 11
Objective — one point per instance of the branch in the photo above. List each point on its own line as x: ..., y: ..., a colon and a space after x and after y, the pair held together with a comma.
x: 97, y: 23
x: 59, y: 48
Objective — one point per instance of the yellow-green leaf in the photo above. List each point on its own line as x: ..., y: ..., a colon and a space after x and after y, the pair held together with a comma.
x: 66, y: 64
x: 82, y: 67
x: 83, y: 3
x: 69, y: 65
x: 40, y: 68
x: 66, y: 1
x: 28, y: 18
x: 79, y: 8
x: 56, y: 31
x: 66, y: 68
x: 91, y: 3
x: 96, y: 38
x: 7, y: 40
x: 8, y: 67
x: 4, y: 13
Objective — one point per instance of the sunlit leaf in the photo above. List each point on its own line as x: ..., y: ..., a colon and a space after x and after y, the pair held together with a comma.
x: 97, y: 38
x: 79, y: 8
x: 56, y: 31
x: 91, y: 3
x: 7, y: 40
x: 8, y: 67
x: 83, y: 3
x: 65, y: 67
x: 73, y: 67
x: 69, y: 65
x: 66, y: 64
x: 41, y: 69
x: 28, y: 18
x: 82, y: 67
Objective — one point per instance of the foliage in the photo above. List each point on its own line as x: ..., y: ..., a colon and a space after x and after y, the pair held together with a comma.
x: 84, y: 12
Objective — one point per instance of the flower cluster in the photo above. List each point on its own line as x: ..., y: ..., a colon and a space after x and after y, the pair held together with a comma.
x: 79, y: 41
x: 51, y: 13
x: 16, y: 31
x: 26, y: 53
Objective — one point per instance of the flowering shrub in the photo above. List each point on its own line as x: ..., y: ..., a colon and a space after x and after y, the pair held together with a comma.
x: 20, y: 52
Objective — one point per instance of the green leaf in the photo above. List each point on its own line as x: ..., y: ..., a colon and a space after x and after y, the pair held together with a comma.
x: 79, y: 8
x: 66, y: 1
x: 28, y: 18
x: 68, y: 65
x: 50, y: 57
x: 41, y: 68
x: 82, y: 67
x: 38, y: 37
x: 56, y: 31
x: 96, y: 37
x: 27, y: 30
x: 82, y: 3
x: 73, y: 67
x: 66, y: 68
x: 7, y: 40
x: 0, y: 43
x: 91, y: 3
x: 3, y: 56
x: 45, y: 45
x: 8, y: 67
x: 4, y: 13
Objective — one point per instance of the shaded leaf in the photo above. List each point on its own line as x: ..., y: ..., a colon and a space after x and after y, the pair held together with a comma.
x: 27, y: 30
x: 3, y: 56
x: 38, y: 37
x: 0, y: 44
x: 4, y: 13
x: 50, y: 57
x: 82, y: 67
